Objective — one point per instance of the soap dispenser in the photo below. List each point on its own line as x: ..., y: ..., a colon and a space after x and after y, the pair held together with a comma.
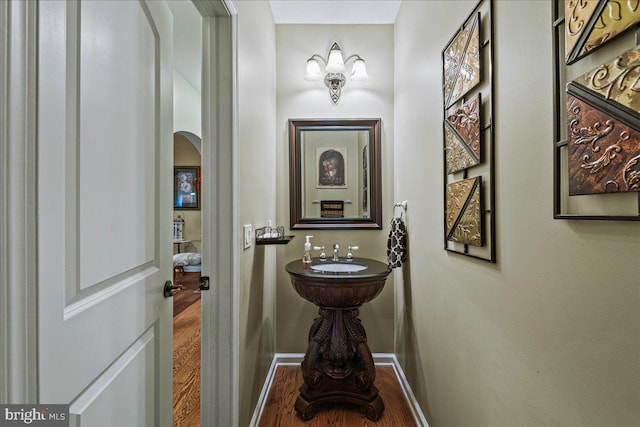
x: 306, y: 258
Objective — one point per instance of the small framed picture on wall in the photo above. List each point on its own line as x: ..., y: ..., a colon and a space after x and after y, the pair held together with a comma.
x: 186, y: 187
x: 331, y: 163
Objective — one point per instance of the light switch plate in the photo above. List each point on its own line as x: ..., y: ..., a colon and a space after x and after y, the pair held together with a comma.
x: 248, y: 235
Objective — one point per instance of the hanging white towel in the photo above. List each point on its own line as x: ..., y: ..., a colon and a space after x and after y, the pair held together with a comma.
x: 397, y: 243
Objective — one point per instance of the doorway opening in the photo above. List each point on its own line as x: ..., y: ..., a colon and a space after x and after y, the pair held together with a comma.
x: 187, y: 212
x: 187, y: 268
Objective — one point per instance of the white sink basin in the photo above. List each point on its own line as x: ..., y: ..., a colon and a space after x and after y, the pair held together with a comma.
x: 338, y: 267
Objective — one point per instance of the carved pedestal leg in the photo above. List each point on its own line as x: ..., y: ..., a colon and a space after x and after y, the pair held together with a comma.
x: 338, y: 367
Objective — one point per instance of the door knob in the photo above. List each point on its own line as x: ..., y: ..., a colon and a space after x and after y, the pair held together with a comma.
x: 170, y: 289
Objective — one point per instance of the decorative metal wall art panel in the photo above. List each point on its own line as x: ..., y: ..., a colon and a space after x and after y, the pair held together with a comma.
x: 589, y: 24
x: 604, y: 154
x: 458, y: 157
x: 464, y: 208
x: 617, y: 81
x: 462, y: 136
x: 596, y: 146
x: 468, y: 123
x: 462, y: 62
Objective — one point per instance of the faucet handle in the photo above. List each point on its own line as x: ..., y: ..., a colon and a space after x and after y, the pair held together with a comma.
x: 323, y: 255
x: 351, y: 248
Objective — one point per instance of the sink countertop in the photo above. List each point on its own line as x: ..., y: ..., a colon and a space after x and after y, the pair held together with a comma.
x: 374, y: 269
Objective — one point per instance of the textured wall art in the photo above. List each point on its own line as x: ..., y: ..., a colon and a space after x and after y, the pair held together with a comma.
x: 616, y: 81
x: 604, y: 128
x: 596, y: 145
x: 462, y: 62
x: 468, y: 137
x: 590, y: 24
x: 464, y: 211
x: 462, y: 136
x: 604, y: 154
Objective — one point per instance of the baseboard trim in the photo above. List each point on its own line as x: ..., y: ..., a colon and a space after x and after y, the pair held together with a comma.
x: 282, y: 359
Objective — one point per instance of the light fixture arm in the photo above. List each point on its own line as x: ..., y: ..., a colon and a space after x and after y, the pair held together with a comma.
x: 354, y: 57
x: 317, y: 56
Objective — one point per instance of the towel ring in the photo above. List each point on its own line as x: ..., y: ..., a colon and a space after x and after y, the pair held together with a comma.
x: 402, y: 204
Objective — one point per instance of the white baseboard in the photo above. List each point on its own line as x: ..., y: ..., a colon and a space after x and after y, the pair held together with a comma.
x: 283, y: 359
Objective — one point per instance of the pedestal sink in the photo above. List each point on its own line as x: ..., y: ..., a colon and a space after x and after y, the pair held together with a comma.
x: 338, y: 367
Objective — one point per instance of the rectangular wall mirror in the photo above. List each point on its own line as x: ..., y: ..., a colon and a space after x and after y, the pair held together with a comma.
x: 334, y: 173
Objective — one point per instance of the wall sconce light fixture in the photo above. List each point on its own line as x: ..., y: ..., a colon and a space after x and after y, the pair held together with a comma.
x: 334, y: 66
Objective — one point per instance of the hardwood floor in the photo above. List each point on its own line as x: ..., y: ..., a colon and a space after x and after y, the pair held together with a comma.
x: 279, y: 412
x: 186, y: 352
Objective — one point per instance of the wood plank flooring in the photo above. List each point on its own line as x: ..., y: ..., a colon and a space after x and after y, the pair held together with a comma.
x: 186, y: 352
x: 279, y: 411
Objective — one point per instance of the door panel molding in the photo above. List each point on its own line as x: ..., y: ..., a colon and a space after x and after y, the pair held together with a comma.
x: 120, y: 66
x: 87, y: 298
x: 18, y: 330
x: 116, y: 375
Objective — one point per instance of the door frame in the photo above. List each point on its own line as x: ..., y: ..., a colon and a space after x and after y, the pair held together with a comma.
x: 18, y: 273
x: 220, y: 305
x: 18, y: 230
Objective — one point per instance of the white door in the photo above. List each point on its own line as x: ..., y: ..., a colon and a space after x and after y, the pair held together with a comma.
x: 105, y: 158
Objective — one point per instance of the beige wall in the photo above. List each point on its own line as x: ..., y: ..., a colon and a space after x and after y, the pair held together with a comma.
x: 256, y: 197
x: 550, y: 335
x: 298, y: 98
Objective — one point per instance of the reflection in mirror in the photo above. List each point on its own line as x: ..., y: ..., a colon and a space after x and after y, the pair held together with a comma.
x: 335, y: 173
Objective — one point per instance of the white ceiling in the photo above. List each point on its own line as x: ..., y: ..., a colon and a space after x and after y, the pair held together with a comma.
x: 334, y: 11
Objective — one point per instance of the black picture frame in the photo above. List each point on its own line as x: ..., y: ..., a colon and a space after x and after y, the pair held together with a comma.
x: 186, y: 188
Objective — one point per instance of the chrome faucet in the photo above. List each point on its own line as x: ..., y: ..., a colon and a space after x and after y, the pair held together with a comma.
x: 349, y: 254
x: 323, y: 255
x: 336, y: 248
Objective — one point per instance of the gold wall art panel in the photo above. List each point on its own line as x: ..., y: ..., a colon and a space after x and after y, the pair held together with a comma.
x: 604, y: 153
x: 617, y: 81
x: 464, y: 212
x: 457, y: 156
x: 462, y: 62
x: 462, y: 136
x: 590, y: 24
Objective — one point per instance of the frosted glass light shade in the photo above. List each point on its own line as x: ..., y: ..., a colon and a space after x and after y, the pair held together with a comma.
x: 359, y: 70
x: 335, y: 63
x: 313, y: 72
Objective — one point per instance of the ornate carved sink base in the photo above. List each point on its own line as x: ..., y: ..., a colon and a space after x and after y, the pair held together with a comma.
x: 338, y: 367
x: 310, y: 401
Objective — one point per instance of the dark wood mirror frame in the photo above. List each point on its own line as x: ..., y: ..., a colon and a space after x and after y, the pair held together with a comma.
x: 297, y: 221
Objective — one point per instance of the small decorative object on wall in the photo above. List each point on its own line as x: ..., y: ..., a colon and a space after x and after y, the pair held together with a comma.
x: 186, y: 187
x: 591, y: 24
x: 462, y: 62
x: 331, y: 167
x: 462, y: 136
x: 332, y: 209
x: 464, y: 211
x: 597, y: 122
x: 469, y: 202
